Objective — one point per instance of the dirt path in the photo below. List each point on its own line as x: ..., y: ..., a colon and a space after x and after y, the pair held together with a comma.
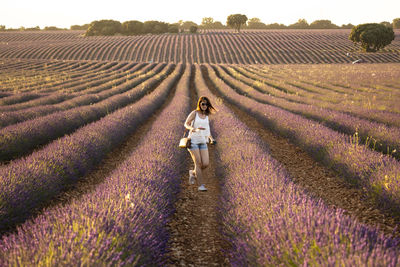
x: 195, y: 227
x: 318, y: 180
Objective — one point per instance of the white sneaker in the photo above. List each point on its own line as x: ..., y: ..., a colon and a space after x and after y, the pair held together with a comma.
x: 191, y: 177
x: 202, y: 188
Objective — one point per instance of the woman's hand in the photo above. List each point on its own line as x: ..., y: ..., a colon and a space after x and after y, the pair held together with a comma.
x: 212, y: 140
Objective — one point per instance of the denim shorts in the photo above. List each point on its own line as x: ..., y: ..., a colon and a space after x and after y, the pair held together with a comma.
x: 201, y: 146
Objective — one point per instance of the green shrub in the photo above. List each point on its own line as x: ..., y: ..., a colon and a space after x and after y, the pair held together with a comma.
x: 372, y: 36
x: 396, y: 23
x: 236, y: 21
x: 193, y: 29
x: 80, y: 27
x: 173, y: 28
x: 104, y: 27
x: 323, y: 24
x: 132, y: 27
x: 155, y: 27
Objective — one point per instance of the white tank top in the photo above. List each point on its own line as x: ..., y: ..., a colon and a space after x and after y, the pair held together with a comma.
x: 200, y: 136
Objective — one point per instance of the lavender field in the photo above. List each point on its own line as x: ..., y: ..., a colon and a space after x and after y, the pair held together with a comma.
x: 91, y: 173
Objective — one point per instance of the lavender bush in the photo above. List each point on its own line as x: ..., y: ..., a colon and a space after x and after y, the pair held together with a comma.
x: 384, y: 137
x: 19, y: 139
x: 87, y: 97
x: 75, y: 87
x: 31, y: 181
x: 14, y: 99
x: 378, y: 174
x: 366, y: 112
x: 123, y: 221
x: 270, y: 221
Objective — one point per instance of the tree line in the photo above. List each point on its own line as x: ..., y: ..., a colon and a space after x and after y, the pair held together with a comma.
x: 371, y: 36
x: 206, y: 23
x: 132, y: 27
x: 37, y: 28
x: 255, y: 23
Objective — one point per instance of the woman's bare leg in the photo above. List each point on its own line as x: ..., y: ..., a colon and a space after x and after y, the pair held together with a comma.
x: 197, y: 165
x: 205, y: 159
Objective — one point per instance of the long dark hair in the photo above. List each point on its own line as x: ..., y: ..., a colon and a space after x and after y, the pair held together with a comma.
x: 210, y: 109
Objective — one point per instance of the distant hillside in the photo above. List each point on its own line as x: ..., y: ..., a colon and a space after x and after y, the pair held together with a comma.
x: 223, y: 46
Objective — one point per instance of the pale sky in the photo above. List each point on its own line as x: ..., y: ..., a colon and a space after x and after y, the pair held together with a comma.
x: 63, y: 14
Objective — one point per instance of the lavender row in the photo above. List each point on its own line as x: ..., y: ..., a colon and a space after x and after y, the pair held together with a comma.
x: 97, y: 78
x: 340, y: 80
x: 338, y: 97
x: 41, y: 100
x: 3, y: 94
x: 384, y: 137
x: 14, y: 99
x: 139, y: 70
x: 67, y: 90
x: 270, y: 221
x: 368, y: 93
x: 90, y: 76
x: 123, y: 221
x: 380, y: 116
x: 88, y: 73
x: 20, y: 139
x: 37, y: 78
x: 88, y: 97
x: 350, y: 94
x: 67, y: 72
x: 29, y: 182
x: 378, y: 174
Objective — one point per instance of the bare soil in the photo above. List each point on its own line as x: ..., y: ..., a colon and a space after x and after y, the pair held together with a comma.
x: 195, y: 227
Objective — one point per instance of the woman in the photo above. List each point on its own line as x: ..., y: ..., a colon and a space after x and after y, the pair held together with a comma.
x: 199, y: 132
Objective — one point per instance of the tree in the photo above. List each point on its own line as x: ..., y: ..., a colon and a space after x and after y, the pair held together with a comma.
x: 347, y: 26
x: 275, y: 26
x: 254, y: 20
x: 386, y: 23
x: 255, y: 23
x: 300, y: 24
x: 193, y: 29
x: 396, y: 23
x: 2, y: 28
x: 80, y: 27
x: 236, y: 21
x: 217, y: 25
x: 155, y: 27
x: 323, y: 24
x: 104, y: 27
x: 37, y: 28
x: 173, y: 28
x: 372, y: 36
x: 187, y: 24
x: 52, y: 28
x: 132, y: 27
x: 207, y: 22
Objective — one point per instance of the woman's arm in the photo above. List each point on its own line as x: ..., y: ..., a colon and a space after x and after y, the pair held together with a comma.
x: 211, y: 138
x: 189, y: 120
